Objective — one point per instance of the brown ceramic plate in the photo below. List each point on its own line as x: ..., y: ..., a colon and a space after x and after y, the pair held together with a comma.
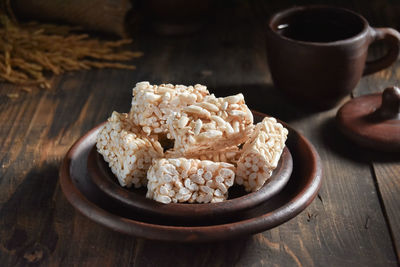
x: 135, y: 199
x: 299, y: 192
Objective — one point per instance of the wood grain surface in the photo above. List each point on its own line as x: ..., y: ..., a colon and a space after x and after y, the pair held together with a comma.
x: 355, y: 221
x: 385, y: 167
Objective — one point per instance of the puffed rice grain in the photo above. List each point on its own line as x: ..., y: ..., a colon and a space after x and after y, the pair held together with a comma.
x: 189, y: 180
x: 212, y: 124
x: 128, y: 152
x: 228, y: 155
x: 261, y: 154
x: 153, y: 104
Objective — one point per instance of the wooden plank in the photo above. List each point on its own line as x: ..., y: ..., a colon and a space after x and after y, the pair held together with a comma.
x: 37, y: 224
x: 386, y: 166
x: 387, y: 175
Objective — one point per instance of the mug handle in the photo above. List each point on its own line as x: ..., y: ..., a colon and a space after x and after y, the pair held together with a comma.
x: 392, y: 38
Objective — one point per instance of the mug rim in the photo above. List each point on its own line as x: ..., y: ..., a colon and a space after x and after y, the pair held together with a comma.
x: 292, y: 10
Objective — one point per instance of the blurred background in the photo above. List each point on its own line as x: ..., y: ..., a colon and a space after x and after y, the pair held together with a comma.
x: 171, y: 17
x: 217, y: 43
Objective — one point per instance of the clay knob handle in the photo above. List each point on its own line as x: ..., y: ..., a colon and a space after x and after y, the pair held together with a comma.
x: 390, y: 107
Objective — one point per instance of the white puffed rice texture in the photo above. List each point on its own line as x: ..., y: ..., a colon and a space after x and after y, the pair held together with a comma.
x: 153, y: 104
x: 206, y: 132
x: 261, y: 154
x: 228, y: 155
x: 189, y: 180
x: 128, y: 153
x: 210, y: 125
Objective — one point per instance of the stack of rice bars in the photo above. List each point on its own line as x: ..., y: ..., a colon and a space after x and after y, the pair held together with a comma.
x: 186, y: 145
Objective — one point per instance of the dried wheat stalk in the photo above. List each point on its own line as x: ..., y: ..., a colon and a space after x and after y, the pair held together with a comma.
x: 29, y: 50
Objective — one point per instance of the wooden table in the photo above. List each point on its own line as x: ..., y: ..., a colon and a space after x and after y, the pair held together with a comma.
x: 355, y: 221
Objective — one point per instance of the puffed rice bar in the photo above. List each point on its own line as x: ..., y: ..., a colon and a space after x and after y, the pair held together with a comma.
x: 229, y: 155
x: 261, y: 154
x: 209, y: 125
x: 153, y: 104
x: 189, y: 180
x: 128, y: 153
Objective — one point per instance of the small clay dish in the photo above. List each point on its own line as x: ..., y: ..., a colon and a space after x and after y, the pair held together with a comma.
x: 136, y: 201
x: 373, y: 121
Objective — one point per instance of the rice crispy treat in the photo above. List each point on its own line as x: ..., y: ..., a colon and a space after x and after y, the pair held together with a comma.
x: 228, y: 155
x: 261, y: 154
x: 189, y: 180
x: 128, y: 152
x: 205, y: 133
x: 210, y: 125
x: 153, y: 104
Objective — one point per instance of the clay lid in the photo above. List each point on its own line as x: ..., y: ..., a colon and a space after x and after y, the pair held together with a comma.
x: 373, y: 120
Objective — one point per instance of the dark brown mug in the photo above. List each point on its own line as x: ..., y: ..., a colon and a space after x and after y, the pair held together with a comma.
x: 317, y: 54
